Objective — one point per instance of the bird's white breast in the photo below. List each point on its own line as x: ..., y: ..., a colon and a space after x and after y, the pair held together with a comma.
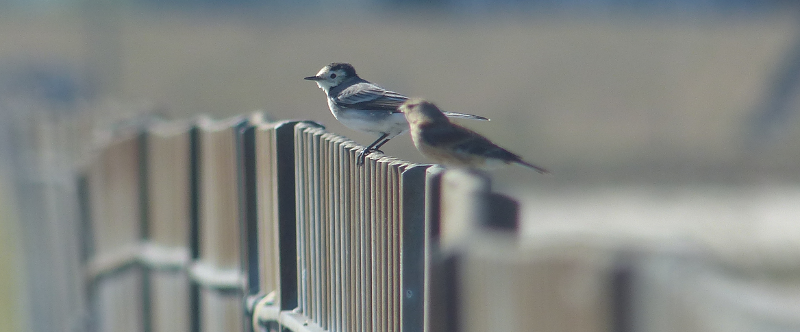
x: 372, y: 122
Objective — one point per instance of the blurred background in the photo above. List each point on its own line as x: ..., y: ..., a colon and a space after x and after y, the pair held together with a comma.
x: 659, y: 118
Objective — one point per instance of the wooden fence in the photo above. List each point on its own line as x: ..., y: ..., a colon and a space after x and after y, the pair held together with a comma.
x: 249, y: 225
x: 215, y: 225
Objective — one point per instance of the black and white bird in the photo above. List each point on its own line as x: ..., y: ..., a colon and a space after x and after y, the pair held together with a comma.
x: 452, y: 145
x: 364, y: 106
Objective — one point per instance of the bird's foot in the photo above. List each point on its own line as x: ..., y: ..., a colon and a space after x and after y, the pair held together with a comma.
x: 362, y: 156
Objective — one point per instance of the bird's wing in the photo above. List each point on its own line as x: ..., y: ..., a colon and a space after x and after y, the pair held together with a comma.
x: 480, y: 146
x: 464, y: 116
x: 367, y: 96
x: 466, y: 143
x: 461, y: 140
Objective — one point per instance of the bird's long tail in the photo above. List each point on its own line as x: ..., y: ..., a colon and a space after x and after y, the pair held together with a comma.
x: 465, y: 116
x: 541, y: 170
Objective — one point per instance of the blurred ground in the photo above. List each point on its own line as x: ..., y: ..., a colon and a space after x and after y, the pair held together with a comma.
x: 598, y: 100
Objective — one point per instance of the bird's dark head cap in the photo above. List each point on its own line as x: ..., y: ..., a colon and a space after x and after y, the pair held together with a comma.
x: 343, y: 66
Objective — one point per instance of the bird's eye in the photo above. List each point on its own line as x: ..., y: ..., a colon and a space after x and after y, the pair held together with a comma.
x: 333, y: 75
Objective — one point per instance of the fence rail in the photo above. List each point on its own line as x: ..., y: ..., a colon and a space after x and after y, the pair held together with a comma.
x: 248, y: 225
x: 169, y: 182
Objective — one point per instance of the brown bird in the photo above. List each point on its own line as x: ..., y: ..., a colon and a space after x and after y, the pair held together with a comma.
x: 452, y: 145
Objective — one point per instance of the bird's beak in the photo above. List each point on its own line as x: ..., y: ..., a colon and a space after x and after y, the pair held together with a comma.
x: 314, y: 78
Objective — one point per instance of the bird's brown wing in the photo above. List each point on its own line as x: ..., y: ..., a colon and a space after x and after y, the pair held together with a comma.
x: 484, y: 148
x: 463, y: 141
x: 444, y: 135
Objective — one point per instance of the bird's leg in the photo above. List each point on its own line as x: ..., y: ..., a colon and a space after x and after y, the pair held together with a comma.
x: 369, y: 149
x: 380, y: 145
